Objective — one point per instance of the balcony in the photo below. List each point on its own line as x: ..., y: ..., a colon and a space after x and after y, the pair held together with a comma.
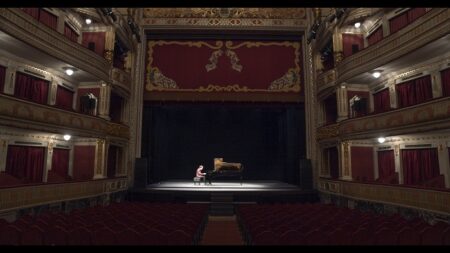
x: 434, y: 25
x: 396, y: 195
x: 429, y: 116
x: 121, y: 79
x: 26, y: 196
x: 28, y: 115
x: 328, y: 132
x: 20, y: 25
x: 326, y: 80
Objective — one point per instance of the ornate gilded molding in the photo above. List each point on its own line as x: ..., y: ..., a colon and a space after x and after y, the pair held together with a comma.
x: 156, y: 81
x: 121, y: 79
x: 20, y: 25
x: 325, y: 80
x: 327, y: 132
x: 29, y: 196
x: 428, y: 116
x: 23, y: 114
x: 435, y: 25
x: 109, y: 56
x: 346, y: 158
x: 398, y: 195
x: 265, y: 13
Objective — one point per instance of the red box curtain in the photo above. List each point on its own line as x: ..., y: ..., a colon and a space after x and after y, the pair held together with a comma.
x: 224, y: 66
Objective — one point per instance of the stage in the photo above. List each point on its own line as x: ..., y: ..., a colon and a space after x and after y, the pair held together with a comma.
x: 256, y: 191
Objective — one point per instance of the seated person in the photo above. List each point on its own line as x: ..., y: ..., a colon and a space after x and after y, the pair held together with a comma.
x: 199, y: 173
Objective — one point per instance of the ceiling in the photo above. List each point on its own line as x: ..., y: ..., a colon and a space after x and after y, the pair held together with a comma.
x: 18, y: 50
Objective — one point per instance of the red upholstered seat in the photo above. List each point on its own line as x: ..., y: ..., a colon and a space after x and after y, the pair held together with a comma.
x: 385, y: 236
x: 104, y: 236
x: 79, y: 236
x: 55, y: 236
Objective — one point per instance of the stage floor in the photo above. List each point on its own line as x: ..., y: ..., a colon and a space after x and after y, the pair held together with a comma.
x: 222, y: 186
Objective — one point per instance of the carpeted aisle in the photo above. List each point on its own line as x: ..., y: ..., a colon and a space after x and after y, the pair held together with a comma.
x: 222, y: 230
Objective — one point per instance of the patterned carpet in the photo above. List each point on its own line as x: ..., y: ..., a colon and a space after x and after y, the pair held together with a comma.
x: 222, y: 230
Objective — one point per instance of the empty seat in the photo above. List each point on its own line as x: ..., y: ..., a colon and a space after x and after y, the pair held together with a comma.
x: 103, y: 236
x: 79, y: 236
x: 385, y: 236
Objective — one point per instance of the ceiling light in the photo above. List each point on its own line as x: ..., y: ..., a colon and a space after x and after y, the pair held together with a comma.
x: 381, y: 140
x: 376, y: 74
x: 67, y: 137
x: 88, y: 21
x: 357, y: 25
x: 69, y: 71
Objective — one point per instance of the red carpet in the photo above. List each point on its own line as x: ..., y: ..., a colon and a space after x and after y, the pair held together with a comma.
x: 222, y: 230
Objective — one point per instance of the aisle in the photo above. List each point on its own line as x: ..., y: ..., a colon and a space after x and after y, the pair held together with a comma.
x: 222, y: 230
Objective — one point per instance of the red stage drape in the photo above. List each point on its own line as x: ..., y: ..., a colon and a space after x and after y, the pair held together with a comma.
x: 112, y: 159
x: 419, y: 165
x: 445, y: 78
x: 381, y: 101
x: 115, y: 107
x: 2, y: 78
x: 348, y: 40
x: 34, y: 12
x: 398, y: 22
x: 48, y: 19
x: 334, y: 162
x: 330, y: 105
x: 70, y: 33
x: 64, y: 98
x: 386, y: 164
x: 362, y: 163
x: 375, y: 36
x: 31, y: 88
x: 98, y: 38
x: 414, y: 91
x: 60, y: 162
x: 26, y: 163
x: 83, y: 162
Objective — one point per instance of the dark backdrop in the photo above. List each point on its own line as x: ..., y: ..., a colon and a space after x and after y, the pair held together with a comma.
x: 269, y: 139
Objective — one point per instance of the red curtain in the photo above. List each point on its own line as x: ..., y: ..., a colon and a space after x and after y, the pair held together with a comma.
x: 2, y: 78
x: 112, y: 160
x: 351, y: 41
x: 98, y: 40
x: 386, y: 164
x: 60, y: 162
x: 362, y: 163
x: 31, y: 88
x: 414, y: 92
x: 330, y: 105
x: 334, y: 162
x: 64, y: 98
x: 375, y: 36
x: 415, y: 13
x: 398, y: 22
x: 115, y: 108
x: 26, y: 163
x: 445, y: 78
x: 48, y: 19
x: 34, y: 12
x: 381, y: 101
x: 419, y: 165
x: 70, y: 33
x: 83, y: 162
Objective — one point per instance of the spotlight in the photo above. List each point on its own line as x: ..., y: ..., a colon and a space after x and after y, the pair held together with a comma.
x: 376, y: 74
x: 357, y: 24
x: 67, y: 137
x: 88, y: 21
x: 381, y: 140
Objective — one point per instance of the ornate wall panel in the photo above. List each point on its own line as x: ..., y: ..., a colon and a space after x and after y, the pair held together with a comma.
x: 195, y: 69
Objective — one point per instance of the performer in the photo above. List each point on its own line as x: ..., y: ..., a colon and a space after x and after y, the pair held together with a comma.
x: 201, y: 174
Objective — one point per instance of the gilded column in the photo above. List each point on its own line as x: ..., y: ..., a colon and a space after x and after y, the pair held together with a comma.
x: 444, y: 169
x: 337, y: 46
x: 346, y: 173
x: 104, y: 100
x: 110, y: 38
x: 436, y: 84
x: 398, y: 167
x: 392, y: 94
x: 52, y: 92
x: 100, y: 158
x: 342, y: 103
x: 48, y: 161
x: 10, y: 80
x: 3, y: 154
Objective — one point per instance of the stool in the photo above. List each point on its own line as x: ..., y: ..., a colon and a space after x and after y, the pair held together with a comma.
x: 198, y: 180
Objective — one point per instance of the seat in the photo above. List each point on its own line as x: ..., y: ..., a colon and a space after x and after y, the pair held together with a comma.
x: 198, y: 180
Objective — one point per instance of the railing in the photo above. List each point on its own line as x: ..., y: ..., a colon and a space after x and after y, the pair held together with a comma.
x: 433, y: 200
x: 24, y: 114
x: 28, y: 196
x: 121, y: 79
x: 325, y: 80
